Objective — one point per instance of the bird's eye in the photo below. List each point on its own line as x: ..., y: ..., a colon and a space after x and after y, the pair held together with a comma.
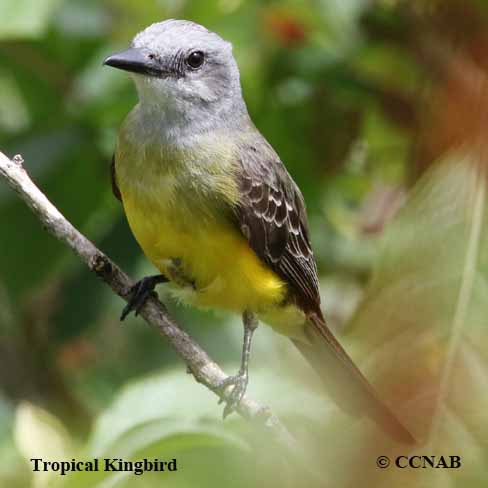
x: 195, y: 59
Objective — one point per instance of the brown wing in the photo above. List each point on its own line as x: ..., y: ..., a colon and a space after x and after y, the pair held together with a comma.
x: 271, y: 214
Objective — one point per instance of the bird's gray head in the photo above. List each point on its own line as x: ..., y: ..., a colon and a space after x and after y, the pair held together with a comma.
x: 181, y: 67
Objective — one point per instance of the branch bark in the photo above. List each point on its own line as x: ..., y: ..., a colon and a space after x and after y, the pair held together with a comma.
x: 203, y: 368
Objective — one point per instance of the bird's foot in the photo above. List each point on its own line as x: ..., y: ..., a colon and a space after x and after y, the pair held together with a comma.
x: 140, y: 292
x: 239, y: 383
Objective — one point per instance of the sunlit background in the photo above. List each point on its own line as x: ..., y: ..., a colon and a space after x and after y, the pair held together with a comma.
x: 379, y: 109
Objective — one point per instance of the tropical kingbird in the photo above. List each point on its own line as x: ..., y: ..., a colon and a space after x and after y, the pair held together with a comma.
x: 215, y: 210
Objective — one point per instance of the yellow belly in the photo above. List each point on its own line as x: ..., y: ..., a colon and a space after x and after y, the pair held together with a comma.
x: 170, y: 196
x: 226, y: 271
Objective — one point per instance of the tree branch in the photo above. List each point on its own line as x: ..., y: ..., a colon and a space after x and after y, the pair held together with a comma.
x: 199, y: 363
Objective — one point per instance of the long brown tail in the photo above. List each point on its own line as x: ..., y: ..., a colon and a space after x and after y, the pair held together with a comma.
x: 345, y: 382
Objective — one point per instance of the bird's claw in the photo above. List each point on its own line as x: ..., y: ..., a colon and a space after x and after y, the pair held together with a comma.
x: 233, y: 399
x: 140, y: 292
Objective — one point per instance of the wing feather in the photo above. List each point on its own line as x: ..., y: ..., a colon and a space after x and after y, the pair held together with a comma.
x: 271, y: 214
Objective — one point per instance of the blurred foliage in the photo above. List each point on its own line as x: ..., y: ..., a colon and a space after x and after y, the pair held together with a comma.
x: 374, y: 106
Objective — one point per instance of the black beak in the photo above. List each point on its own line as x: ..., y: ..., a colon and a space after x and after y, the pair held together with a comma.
x: 136, y: 61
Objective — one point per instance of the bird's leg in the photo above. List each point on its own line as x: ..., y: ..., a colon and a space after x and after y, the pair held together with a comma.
x: 140, y: 292
x: 240, y: 380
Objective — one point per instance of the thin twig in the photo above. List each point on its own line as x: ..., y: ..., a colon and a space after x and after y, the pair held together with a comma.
x: 199, y: 363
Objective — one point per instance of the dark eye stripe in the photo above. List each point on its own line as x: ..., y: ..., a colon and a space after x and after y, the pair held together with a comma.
x: 179, y: 63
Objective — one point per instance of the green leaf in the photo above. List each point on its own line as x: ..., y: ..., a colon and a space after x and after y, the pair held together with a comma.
x: 169, y: 417
x: 14, y: 113
x: 164, y: 417
x: 40, y: 435
x: 169, y: 402
x: 422, y: 330
x: 25, y: 18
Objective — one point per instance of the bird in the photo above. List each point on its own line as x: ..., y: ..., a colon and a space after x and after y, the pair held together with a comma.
x: 215, y: 210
